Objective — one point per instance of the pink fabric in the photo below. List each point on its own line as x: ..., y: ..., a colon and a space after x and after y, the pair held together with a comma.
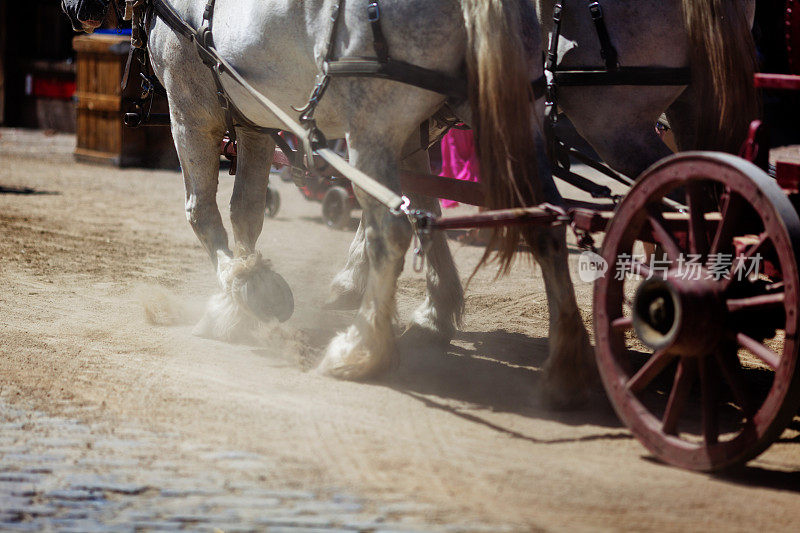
x: 459, y: 159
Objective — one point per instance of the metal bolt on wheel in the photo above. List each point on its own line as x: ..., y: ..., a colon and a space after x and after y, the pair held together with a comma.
x: 702, y: 368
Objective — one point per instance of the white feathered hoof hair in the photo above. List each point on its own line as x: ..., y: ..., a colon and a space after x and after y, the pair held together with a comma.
x: 261, y: 290
x: 252, y: 283
x: 251, y: 292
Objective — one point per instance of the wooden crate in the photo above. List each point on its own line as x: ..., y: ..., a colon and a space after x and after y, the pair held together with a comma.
x: 102, y: 136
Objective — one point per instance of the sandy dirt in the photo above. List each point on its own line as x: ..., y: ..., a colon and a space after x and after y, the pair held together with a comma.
x: 460, y: 430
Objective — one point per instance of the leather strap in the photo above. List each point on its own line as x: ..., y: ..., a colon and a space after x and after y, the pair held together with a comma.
x: 552, y: 43
x: 401, y: 72
x: 171, y: 18
x: 640, y: 76
x: 607, y: 50
x: 378, y: 38
x: 584, y: 184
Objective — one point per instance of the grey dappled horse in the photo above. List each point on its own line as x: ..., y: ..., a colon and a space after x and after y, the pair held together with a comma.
x: 278, y: 46
x: 712, y: 113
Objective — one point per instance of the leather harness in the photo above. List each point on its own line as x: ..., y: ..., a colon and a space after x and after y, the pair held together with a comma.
x: 384, y: 67
x: 380, y: 66
x: 613, y: 74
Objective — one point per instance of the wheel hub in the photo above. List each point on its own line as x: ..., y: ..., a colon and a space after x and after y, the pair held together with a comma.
x: 682, y: 316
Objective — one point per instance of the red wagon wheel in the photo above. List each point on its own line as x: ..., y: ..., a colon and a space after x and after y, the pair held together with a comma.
x: 701, y: 364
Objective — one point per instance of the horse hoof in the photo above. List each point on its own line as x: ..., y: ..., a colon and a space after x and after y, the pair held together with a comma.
x: 225, y: 320
x: 347, y: 358
x: 559, y: 399
x: 266, y: 294
x: 563, y: 391
x: 429, y: 323
x: 250, y: 282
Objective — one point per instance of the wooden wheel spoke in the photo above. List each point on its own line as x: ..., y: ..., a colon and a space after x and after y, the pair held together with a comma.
x: 732, y: 373
x: 731, y: 206
x: 770, y: 358
x: 751, y: 251
x: 698, y: 236
x: 708, y: 387
x: 741, y: 259
x: 684, y: 377
x: 661, y: 234
x: 622, y: 323
x: 651, y: 369
x: 751, y: 303
x: 775, y: 286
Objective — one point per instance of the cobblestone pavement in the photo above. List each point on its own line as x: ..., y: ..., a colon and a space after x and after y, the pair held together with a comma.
x: 59, y: 474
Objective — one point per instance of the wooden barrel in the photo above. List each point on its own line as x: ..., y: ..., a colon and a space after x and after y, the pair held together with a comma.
x: 101, y: 135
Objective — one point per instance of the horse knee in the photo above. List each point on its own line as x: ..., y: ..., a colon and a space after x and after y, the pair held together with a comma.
x: 388, y: 240
x: 199, y: 214
x: 206, y: 222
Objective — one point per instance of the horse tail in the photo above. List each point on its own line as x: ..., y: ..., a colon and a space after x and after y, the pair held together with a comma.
x: 723, y: 62
x: 501, y: 100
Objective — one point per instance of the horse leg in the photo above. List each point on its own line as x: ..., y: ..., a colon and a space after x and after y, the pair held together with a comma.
x: 348, y: 286
x: 250, y: 289
x: 440, y: 314
x: 569, y: 371
x: 198, y: 152
x: 368, y: 346
x: 249, y: 199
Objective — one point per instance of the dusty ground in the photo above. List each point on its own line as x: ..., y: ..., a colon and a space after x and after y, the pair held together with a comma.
x: 460, y: 431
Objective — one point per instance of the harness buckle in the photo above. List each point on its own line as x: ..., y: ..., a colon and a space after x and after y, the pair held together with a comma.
x: 596, y: 10
x: 373, y: 12
x: 403, y: 209
x: 422, y: 232
x: 557, y: 13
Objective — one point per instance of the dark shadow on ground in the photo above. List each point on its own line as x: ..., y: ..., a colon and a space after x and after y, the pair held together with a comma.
x: 752, y: 476
x: 8, y: 189
x: 496, y: 370
x: 757, y: 476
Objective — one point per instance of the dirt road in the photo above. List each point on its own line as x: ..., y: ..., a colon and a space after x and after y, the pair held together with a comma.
x: 458, y: 432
